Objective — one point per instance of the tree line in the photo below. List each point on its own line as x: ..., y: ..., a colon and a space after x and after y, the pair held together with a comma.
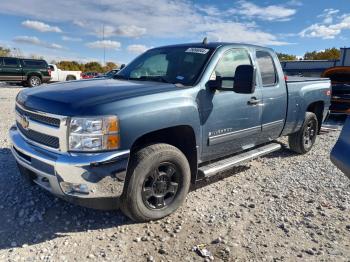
x: 70, y: 65
x: 327, y: 54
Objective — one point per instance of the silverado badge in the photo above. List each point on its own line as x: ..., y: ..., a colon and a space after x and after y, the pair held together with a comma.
x: 24, y: 121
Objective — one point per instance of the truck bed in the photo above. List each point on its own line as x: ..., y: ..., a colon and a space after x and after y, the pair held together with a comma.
x: 301, y: 90
x: 292, y: 79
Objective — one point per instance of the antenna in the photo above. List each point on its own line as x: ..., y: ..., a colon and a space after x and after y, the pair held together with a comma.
x: 205, y: 41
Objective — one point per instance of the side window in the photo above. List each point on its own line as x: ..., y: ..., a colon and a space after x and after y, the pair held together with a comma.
x: 10, y: 62
x: 226, y: 67
x: 267, y: 68
x: 52, y: 68
x: 34, y: 63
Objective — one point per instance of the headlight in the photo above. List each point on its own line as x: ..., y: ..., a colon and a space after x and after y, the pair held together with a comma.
x: 93, y: 133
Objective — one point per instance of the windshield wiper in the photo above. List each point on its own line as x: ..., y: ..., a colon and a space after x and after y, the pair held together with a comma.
x: 120, y: 77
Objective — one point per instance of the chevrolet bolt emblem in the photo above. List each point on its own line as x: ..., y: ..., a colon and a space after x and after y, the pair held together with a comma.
x: 24, y: 122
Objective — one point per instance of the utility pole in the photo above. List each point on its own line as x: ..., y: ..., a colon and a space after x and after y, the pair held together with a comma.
x: 104, y: 46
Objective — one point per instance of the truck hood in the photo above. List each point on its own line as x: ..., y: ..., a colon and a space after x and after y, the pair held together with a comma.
x: 73, y: 98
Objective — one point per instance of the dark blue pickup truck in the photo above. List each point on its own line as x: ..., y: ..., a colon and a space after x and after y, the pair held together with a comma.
x: 173, y: 116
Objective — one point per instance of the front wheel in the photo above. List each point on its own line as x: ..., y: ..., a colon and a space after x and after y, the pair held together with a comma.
x: 159, y: 180
x: 302, y: 141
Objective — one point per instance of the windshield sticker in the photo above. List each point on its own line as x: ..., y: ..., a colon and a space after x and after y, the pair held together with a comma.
x: 196, y: 50
x: 180, y: 78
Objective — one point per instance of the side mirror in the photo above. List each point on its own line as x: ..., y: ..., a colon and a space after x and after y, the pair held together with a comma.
x: 244, y: 82
x: 214, y: 84
x: 122, y: 66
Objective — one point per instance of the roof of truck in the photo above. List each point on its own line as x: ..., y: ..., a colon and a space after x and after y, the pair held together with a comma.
x: 214, y: 45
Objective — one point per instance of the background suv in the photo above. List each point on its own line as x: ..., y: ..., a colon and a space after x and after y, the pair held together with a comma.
x: 29, y: 72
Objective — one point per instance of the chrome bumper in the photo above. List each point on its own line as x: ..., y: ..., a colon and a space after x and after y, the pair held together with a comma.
x: 82, y: 178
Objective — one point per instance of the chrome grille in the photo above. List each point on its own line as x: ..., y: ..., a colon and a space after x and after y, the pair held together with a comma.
x: 40, y: 138
x: 42, y: 129
x: 39, y: 118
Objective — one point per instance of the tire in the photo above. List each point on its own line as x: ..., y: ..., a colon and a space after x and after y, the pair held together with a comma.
x: 70, y: 78
x: 34, y: 81
x: 302, y: 141
x: 158, y: 181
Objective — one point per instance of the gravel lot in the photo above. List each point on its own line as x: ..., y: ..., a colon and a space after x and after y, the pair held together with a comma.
x: 282, y: 207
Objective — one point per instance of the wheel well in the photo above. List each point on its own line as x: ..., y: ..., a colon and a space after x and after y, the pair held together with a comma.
x: 34, y: 74
x: 182, y: 137
x: 317, y: 108
x: 70, y: 77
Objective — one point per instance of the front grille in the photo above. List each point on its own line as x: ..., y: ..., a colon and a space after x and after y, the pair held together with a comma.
x: 43, y: 139
x: 51, y: 121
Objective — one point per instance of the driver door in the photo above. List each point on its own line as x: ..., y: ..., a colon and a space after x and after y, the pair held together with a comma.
x: 231, y: 121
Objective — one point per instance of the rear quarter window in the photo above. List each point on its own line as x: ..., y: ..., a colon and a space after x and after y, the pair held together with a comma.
x: 35, y: 63
x: 267, y: 68
x: 10, y: 62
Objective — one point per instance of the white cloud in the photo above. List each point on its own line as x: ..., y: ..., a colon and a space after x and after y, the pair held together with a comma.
x: 240, y: 33
x: 108, y: 44
x: 71, y: 39
x: 122, y: 30
x: 159, y: 19
x: 137, y: 49
x: 327, y: 30
x: 268, y: 13
x: 40, y: 26
x: 294, y: 3
x: 33, y: 40
x: 328, y: 15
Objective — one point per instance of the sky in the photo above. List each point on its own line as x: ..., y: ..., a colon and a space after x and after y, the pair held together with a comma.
x: 73, y: 30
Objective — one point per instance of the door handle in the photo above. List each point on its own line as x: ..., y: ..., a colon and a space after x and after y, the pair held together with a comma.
x: 253, y: 101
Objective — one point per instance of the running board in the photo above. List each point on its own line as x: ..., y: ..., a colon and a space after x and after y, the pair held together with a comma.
x: 227, y: 163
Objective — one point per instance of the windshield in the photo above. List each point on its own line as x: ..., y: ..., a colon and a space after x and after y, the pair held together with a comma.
x: 176, y: 65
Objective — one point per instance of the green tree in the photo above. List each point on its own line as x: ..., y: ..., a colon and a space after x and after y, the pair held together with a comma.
x: 286, y: 57
x: 327, y: 54
x: 109, y: 66
x: 5, y: 51
x: 70, y: 65
x: 93, y: 66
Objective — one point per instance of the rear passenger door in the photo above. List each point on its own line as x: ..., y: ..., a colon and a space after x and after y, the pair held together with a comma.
x: 11, y: 69
x: 274, y: 95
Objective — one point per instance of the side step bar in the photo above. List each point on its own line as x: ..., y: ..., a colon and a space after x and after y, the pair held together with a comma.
x: 227, y: 163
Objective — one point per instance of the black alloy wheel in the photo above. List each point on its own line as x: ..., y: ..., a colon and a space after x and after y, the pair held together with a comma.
x: 160, y: 186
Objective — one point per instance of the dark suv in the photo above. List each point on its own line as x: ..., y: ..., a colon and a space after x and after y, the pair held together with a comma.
x: 29, y: 72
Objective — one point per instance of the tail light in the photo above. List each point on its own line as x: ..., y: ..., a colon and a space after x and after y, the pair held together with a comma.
x: 328, y: 92
x: 49, y: 71
x: 285, y: 78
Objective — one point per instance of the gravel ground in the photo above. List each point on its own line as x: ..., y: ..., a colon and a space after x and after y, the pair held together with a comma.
x: 282, y: 207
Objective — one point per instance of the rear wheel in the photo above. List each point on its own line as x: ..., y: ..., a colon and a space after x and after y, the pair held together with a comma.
x: 302, y: 141
x: 34, y: 81
x: 159, y: 180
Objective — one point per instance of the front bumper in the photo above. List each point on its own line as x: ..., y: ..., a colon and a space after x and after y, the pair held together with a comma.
x: 94, y: 180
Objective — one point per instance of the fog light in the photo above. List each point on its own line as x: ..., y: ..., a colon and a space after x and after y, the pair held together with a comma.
x: 80, y: 188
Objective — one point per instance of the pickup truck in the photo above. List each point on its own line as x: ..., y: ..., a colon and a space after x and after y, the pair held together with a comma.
x: 58, y: 75
x: 29, y: 72
x: 173, y: 116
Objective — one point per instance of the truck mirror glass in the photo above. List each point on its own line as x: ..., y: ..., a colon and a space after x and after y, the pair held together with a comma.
x: 244, y: 79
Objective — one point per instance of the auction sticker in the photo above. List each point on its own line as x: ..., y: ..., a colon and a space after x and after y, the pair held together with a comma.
x: 197, y: 50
